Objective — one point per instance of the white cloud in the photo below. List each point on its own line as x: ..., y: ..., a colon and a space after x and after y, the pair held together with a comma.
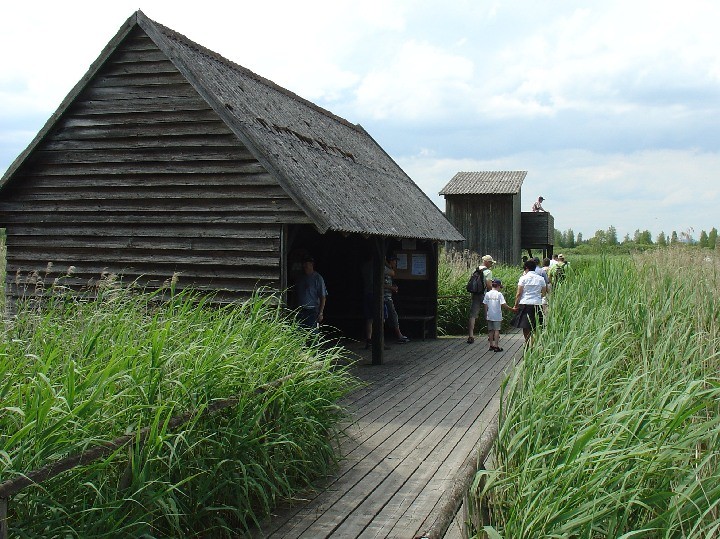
x: 418, y: 81
x: 595, y: 59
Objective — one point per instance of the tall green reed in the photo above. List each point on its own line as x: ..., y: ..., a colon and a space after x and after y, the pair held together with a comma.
x: 78, y: 373
x: 610, y: 427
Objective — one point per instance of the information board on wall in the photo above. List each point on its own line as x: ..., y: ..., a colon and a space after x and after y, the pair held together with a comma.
x: 412, y: 265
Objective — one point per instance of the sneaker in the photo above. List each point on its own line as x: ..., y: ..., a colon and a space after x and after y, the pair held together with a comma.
x: 403, y: 340
x: 470, y: 340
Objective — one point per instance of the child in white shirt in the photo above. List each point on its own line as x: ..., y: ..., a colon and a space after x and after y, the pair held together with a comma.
x: 494, y: 303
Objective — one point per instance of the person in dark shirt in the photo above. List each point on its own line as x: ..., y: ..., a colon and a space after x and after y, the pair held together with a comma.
x: 311, y: 295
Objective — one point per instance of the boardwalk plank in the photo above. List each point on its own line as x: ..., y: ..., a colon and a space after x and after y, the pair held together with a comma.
x: 412, y: 430
x: 442, y: 465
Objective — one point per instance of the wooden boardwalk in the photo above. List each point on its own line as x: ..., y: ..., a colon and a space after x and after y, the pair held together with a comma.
x: 412, y: 443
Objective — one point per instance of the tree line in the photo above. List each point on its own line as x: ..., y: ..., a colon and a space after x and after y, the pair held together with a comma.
x: 641, y: 239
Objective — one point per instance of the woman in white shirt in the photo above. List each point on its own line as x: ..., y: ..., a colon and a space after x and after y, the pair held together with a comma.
x: 530, y: 292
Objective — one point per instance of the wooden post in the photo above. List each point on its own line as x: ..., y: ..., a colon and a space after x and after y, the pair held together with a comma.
x: 3, y: 518
x: 433, y: 264
x: 284, y: 250
x: 378, y: 334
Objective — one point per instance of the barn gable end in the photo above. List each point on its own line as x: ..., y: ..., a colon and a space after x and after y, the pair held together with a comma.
x: 139, y: 176
x: 167, y: 158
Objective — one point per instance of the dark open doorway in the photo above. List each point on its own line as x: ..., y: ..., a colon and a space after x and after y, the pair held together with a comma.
x: 339, y: 258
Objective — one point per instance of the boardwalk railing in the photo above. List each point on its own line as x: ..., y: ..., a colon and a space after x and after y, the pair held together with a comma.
x: 35, y: 477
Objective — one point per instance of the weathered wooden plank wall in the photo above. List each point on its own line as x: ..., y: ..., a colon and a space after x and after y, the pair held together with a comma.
x: 538, y: 229
x: 489, y: 224
x: 140, y: 177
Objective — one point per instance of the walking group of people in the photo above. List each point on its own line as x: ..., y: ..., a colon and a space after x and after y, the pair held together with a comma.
x: 530, y: 299
x: 530, y: 303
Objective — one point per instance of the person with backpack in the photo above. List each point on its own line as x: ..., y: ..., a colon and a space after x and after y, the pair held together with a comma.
x: 479, y: 283
x: 557, y: 272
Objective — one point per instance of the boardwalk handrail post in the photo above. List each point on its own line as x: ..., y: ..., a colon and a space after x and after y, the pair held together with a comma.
x: 3, y: 518
x: 378, y: 334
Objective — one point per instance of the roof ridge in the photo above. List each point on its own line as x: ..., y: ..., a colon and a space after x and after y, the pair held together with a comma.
x: 485, y: 182
x: 491, y: 172
x: 181, y: 38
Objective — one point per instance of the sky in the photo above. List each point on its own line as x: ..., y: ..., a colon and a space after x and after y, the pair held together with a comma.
x: 612, y: 107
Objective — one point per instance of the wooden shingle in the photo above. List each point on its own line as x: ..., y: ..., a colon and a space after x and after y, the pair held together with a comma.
x: 485, y: 183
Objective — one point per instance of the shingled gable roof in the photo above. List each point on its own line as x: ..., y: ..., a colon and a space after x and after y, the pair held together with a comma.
x: 334, y: 170
x: 485, y: 183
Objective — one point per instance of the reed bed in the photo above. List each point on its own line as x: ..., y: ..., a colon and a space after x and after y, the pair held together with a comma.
x: 75, y: 374
x: 454, y: 270
x: 610, y: 427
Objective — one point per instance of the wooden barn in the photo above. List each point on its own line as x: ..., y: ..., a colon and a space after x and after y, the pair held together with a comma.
x: 485, y: 208
x: 167, y: 159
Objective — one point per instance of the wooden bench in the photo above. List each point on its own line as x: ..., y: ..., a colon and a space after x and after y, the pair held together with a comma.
x: 416, y: 309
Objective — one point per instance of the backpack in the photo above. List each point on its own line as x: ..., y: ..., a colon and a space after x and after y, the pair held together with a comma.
x: 476, y: 283
x: 559, y: 272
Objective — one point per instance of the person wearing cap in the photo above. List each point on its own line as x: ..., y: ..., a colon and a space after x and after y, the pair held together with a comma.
x: 476, y: 303
x: 537, y: 206
x: 388, y: 290
x: 311, y: 294
x: 557, y: 272
x: 494, y: 302
x: 528, y: 302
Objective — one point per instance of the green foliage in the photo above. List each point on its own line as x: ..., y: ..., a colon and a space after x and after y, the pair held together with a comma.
x: 606, y: 241
x: 566, y: 240
x: 642, y: 238
x: 610, y: 426
x: 611, y: 235
x: 79, y: 373
x: 712, y: 238
x: 605, y: 237
x: 703, y: 241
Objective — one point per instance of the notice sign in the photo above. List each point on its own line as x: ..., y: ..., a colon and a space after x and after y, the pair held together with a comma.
x: 419, y: 265
x: 402, y: 261
x: 411, y: 265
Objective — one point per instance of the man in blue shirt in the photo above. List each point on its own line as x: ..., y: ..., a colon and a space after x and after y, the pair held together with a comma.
x: 311, y: 294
